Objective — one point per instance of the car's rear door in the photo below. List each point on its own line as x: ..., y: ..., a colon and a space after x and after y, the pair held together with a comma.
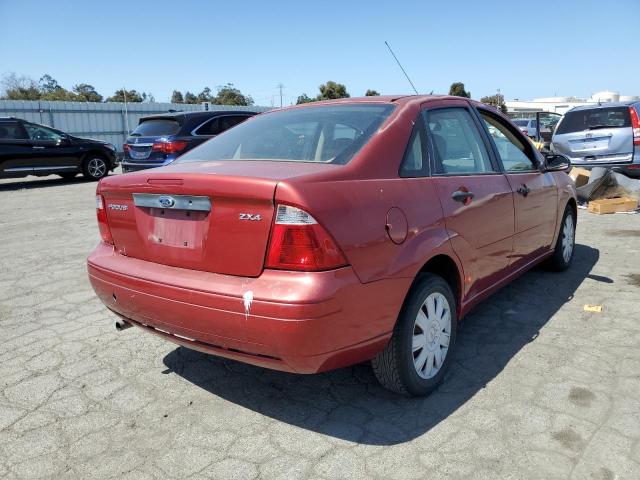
x: 599, y: 134
x: 15, y: 150
x: 535, y: 193
x: 476, y: 197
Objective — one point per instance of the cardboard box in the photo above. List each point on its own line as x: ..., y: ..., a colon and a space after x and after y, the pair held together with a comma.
x: 612, y: 205
x: 580, y: 176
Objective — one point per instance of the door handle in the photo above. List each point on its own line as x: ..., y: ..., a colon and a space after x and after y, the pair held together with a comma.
x: 38, y: 148
x: 462, y: 196
x: 524, y: 190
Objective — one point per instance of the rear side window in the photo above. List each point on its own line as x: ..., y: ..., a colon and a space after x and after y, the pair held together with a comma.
x: 413, y: 163
x: 608, y: 117
x: 325, y: 133
x: 12, y: 131
x: 156, y: 128
x: 220, y: 124
x: 458, y: 147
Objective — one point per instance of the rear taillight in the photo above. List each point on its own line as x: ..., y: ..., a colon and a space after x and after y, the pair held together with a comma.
x: 298, y: 242
x: 525, y: 131
x: 635, y: 125
x: 126, y: 148
x: 174, y: 146
x: 103, y: 226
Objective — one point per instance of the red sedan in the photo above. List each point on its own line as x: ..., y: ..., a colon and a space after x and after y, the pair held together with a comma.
x: 324, y: 235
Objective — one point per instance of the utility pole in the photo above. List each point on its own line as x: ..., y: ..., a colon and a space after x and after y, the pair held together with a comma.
x: 280, y: 87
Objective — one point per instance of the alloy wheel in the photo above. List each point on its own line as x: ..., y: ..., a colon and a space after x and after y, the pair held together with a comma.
x: 96, y: 167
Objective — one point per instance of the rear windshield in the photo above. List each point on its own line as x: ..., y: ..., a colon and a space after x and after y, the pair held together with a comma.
x: 521, y: 123
x: 609, y: 117
x: 327, y: 134
x: 156, y: 128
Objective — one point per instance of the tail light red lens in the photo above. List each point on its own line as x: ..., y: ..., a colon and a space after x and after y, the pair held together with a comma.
x: 169, y: 147
x: 525, y: 131
x: 635, y: 125
x: 298, y: 242
x: 126, y: 148
x: 103, y: 226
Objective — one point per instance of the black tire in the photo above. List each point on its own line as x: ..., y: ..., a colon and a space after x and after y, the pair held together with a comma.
x: 68, y: 175
x: 95, y: 167
x: 394, y: 366
x: 559, y: 261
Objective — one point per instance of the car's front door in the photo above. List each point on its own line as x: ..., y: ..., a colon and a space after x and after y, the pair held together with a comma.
x: 476, y: 197
x: 52, y: 151
x: 535, y: 192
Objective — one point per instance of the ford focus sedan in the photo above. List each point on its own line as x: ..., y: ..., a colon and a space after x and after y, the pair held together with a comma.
x: 320, y: 236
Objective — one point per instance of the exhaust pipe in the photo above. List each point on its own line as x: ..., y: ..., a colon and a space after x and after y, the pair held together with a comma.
x: 122, y: 325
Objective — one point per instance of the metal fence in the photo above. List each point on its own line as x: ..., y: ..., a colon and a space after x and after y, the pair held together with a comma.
x: 110, y: 122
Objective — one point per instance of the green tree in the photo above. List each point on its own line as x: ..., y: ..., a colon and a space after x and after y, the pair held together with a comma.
x: 304, y: 99
x: 205, y: 96
x: 132, y: 96
x: 229, y: 95
x: 21, y: 87
x: 332, y: 90
x: 86, y: 93
x: 48, y: 84
x: 457, y: 90
x: 496, y: 101
x: 371, y: 93
x: 190, y: 97
x: 176, y: 97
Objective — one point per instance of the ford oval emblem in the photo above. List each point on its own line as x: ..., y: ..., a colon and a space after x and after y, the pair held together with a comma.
x: 166, y: 201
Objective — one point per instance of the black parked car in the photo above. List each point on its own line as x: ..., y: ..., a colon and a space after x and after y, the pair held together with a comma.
x: 28, y: 148
x: 159, y: 139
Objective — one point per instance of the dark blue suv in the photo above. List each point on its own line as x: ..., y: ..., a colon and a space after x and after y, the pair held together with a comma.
x: 159, y: 139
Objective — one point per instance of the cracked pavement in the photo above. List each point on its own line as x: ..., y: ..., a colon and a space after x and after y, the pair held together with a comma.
x: 538, y: 389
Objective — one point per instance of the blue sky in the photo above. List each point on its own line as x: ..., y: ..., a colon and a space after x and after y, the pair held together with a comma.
x: 155, y: 46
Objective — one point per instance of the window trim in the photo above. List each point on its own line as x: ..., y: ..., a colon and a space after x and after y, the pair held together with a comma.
x: 419, y: 128
x: 517, y: 133
x: 495, y: 165
x: 194, y: 134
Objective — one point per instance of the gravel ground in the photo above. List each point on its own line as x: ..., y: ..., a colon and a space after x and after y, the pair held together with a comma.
x: 539, y: 388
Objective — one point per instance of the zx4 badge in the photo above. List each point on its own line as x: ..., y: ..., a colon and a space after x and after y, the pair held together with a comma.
x: 250, y: 216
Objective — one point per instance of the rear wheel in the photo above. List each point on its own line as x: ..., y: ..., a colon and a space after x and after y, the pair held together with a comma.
x: 563, y: 251
x: 416, y: 358
x: 95, y: 167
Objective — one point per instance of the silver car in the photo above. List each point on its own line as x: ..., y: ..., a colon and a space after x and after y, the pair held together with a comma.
x: 604, y: 135
x: 528, y: 126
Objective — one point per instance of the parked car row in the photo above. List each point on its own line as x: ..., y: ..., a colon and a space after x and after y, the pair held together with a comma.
x: 28, y: 148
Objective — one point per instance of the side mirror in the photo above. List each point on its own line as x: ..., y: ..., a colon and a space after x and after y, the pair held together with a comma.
x: 556, y: 162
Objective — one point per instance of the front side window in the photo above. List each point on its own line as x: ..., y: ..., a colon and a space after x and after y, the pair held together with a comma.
x: 38, y: 132
x: 456, y: 141
x: 511, y: 149
x: 11, y: 131
x: 325, y: 133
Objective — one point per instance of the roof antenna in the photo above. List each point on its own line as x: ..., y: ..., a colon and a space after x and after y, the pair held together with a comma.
x: 403, y: 71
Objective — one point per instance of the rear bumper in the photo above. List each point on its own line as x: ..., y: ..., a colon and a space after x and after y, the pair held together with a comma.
x: 630, y: 167
x: 297, y: 322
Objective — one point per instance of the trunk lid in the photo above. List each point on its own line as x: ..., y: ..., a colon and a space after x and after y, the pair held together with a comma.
x: 209, y: 216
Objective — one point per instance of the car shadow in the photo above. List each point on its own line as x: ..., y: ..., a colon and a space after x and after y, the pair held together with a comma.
x: 40, y: 182
x: 342, y: 402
